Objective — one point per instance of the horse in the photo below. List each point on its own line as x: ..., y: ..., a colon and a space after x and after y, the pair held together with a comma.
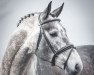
x: 40, y: 46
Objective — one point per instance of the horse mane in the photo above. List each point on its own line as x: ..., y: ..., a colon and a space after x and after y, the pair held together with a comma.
x: 25, y: 17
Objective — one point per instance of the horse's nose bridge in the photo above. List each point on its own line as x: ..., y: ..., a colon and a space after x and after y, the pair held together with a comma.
x: 75, y: 63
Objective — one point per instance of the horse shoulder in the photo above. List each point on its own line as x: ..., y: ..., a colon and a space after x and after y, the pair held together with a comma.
x: 15, y: 42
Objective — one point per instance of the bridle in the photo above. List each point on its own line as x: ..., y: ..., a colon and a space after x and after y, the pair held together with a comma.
x: 56, y: 53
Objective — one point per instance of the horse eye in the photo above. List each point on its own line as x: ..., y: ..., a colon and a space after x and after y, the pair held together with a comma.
x: 54, y: 34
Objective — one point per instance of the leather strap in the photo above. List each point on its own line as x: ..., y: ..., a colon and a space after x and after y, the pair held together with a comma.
x: 63, y: 49
x: 49, y: 21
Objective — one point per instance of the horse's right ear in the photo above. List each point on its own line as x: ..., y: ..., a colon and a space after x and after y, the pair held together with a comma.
x: 44, y: 15
x: 57, y: 11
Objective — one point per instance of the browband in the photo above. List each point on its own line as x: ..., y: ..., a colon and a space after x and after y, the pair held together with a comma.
x: 49, y: 21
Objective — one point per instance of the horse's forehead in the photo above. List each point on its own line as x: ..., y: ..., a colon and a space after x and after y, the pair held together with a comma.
x: 53, y: 25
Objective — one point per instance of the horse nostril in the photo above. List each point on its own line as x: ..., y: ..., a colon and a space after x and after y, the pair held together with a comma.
x: 77, y: 67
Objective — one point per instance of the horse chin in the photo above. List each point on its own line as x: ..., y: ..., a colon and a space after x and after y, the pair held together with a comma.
x: 71, y: 73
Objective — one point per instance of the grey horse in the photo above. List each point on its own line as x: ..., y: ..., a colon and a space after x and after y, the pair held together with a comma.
x: 40, y: 46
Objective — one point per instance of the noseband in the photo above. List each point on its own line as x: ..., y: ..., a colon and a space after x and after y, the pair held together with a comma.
x: 56, y: 53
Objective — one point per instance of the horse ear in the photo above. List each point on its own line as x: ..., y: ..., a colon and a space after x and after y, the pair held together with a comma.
x: 57, y: 11
x: 44, y: 15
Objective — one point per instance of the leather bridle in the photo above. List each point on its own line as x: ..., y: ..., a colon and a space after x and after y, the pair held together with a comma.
x: 56, y: 53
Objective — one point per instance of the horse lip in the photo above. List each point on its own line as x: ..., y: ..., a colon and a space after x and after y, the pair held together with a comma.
x: 74, y: 73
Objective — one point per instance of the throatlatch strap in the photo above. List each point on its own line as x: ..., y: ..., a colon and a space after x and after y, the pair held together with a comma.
x: 39, y: 39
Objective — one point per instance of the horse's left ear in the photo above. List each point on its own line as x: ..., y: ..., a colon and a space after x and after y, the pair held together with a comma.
x: 44, y: 15
x: 57, y: 11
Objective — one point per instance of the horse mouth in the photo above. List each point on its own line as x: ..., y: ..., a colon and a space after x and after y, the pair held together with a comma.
x: 73, y: 73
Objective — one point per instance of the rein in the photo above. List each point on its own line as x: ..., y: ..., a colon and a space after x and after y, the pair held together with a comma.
x: 56, y: 53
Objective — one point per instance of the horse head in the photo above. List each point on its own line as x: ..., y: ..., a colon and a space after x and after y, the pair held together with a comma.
x: 55, y: 42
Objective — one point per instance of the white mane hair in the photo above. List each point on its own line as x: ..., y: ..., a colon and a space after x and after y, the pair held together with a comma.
x: 29, y: 24
x: 30, y: 20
